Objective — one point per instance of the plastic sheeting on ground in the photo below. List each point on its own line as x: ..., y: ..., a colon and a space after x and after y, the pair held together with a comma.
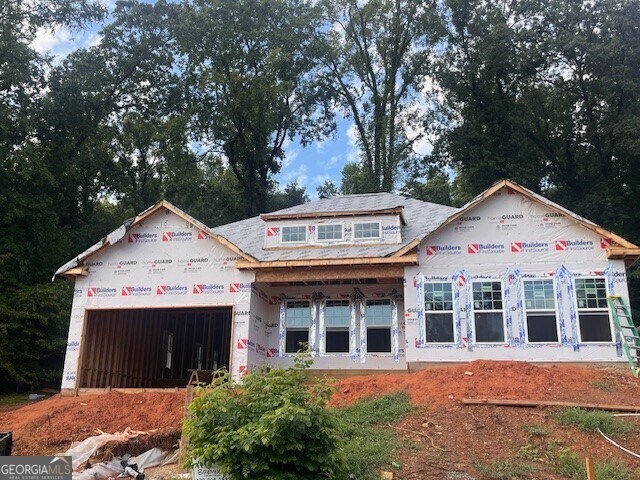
x: 80, y: 452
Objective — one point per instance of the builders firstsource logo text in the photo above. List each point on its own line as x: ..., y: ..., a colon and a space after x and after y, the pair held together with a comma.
x: 480, y: 248
x: 443, y: 250
x: 568, y: 245
x: 171, y: 290
x: 519, y: 247
x: 142, y: 238
x: 129, y: 291
x: 208, y: 288
x: 239, y: 287
x: 101, y: 292
x: 177, y: 236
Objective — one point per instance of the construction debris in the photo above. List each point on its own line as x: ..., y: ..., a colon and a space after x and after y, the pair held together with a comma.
x: 544, y: 403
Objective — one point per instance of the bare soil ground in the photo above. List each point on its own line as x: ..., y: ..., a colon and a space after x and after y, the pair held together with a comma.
x: 49, y: 426
x: 444, y: 439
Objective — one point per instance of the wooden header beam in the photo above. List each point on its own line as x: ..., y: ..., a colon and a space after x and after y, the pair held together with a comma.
x: 411, y: 259
x: 334, y: 273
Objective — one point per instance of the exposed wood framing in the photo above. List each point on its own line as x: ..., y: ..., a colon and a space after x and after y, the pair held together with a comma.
x: 548, y: 403
x: 334, y: 273
x: 125, y: 348
x: 347, y: 213
x: 629, y: 255
x: 77, y: 272
x: 411, y: 259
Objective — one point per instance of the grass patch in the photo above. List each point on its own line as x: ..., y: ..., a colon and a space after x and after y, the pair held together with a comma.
x: 528, y: 452
x: 505, y: 469
x: 567, y: 464
x: 604, y: 386
x: 536, y: 430
x: 366, y: 443
x: 14, y: 398
x: 591, y: 420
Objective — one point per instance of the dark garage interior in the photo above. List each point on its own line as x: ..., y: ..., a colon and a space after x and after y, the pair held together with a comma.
x: 153, y: 348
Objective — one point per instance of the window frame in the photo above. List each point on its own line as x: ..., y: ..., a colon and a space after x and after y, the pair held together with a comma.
x: 168, y: 349
x: 327, y: 240
x: 294, y: 242
x: 390, y: 352
x: 337, y: 329
x: 452, y: 312
x: 296, y: 329
x: 353, y: 227
x: 593, y: 310
x: 534, y: 311
x: 504, y: 316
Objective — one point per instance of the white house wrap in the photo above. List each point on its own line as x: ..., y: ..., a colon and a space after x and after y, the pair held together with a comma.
x: 509, y: 276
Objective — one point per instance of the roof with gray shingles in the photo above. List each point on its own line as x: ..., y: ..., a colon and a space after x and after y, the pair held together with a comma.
x: 421, y: 219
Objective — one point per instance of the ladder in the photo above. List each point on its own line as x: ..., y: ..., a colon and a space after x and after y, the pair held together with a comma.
x: 627, y: 331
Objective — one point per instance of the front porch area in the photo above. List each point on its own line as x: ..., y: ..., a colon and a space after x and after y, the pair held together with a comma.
x: 350, y: 319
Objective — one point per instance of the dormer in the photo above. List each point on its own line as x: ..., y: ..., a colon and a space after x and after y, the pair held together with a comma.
x: 325, y: 229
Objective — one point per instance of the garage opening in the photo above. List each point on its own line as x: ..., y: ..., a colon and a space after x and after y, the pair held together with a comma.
x: 153, y: 347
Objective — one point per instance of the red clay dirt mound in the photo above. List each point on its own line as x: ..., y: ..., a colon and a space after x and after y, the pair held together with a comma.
x: 51, y: 425
x: 506, y: 380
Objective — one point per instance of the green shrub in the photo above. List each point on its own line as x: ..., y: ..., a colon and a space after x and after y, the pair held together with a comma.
x: 274, y: 426
x: 591, y: 420
x: 366, y: 442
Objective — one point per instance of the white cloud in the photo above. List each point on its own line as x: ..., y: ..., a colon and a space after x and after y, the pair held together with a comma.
x: 333, y: 161
x: 320, y: 179
x: 290, y: 157
x: 353, y: 154
x: 47, y: 40
x: 320, y: 145
x: 298, y: 175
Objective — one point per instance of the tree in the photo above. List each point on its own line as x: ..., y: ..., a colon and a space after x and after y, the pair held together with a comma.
x: 290, y: 196
x: 544, y: 93
x: 33, y: 318
x: 22, y: 73
x: 436, y: 189
x: 484, y: 71
x: 354, y: 179
x: 327, y: 189
x: 130, y: 73
x: 250, y: 69
x: 377, y: 58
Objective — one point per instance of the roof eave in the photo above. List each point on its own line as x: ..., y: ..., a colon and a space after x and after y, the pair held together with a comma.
x: 70, y: 269
x: 335, y: 214
x: 523, y: 191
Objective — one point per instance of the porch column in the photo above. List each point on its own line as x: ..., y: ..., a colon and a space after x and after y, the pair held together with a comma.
x: 395, y: 344
x: 282, y: 332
